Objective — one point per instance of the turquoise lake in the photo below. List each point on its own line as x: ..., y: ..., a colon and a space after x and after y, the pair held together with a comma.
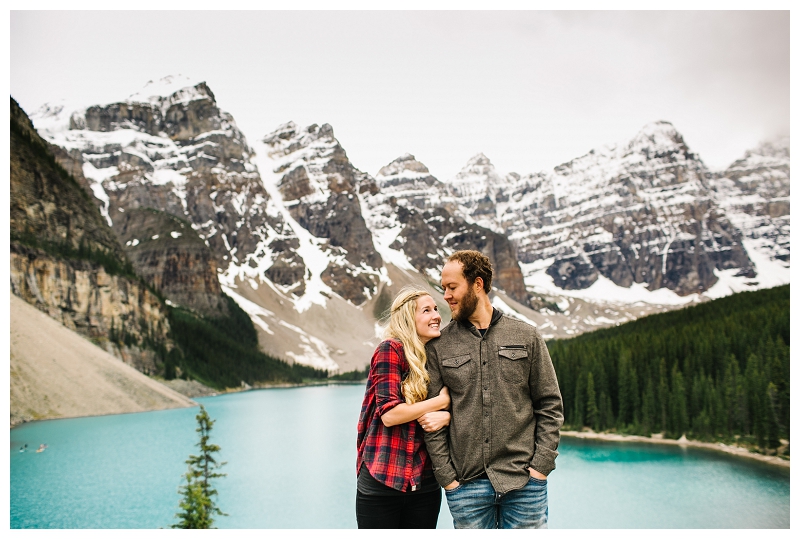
x: 291, y: 464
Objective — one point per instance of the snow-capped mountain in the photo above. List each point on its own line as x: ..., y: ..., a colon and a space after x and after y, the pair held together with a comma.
x: 754, y: 193
x: 290, y: 214
x: 480, y: 192
x: 177, y: 152
x: 170, y: 148
x: 416, y: 224
x: 637, y: 212
x: 411, y: 184
x: 320, y: 188
x: 314, y: 249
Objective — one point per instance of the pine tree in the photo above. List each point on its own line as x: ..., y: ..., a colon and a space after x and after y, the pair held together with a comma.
x: 773, y: 429
x: 592, y: 413
x: 756, y: 393
x: 625, y: 395
x: 680, y: 419
x: 197, y: 505
x: 648, y: 410
x: 663, y: 393
x: 577, y: 416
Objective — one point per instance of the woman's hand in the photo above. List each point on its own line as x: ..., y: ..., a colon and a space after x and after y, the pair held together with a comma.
x: 444, y: 396
x: 433, y: 421
x: 403, y: 413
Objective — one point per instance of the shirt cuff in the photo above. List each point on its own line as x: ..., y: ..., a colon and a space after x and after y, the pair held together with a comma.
x: 445, y: 474
x: 388, y: 405
x: 544, y: 460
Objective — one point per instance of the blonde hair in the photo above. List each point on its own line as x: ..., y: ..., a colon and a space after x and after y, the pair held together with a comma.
x: 403, y: 327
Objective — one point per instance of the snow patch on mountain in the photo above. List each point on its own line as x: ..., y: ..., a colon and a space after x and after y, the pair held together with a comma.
x: 603, y: 290
x: 385, y: 228
x: 256, y: 312
x: 769, y: 272
x: 315, y: 351
x: 168, y: 91
x: 506, y: 309
x: 480, y: 193
x: 314, y: 257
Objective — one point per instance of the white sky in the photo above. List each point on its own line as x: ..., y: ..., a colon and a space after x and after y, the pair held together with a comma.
x: 529, y: 89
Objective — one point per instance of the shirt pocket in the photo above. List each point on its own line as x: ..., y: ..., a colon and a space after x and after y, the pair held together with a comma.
x: 457, y: 371
x: 514, y: 362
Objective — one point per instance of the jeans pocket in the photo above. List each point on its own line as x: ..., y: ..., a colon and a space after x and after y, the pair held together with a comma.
x: 535, y: 481
x: 453, y: 490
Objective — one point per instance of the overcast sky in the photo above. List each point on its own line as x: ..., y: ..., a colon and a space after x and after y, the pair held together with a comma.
x: 529, y: 89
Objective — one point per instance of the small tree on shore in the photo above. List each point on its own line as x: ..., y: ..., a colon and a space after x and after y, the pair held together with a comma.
x: 197, y: 504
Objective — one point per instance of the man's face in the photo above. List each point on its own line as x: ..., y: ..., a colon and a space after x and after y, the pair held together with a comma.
x: 458, y: 294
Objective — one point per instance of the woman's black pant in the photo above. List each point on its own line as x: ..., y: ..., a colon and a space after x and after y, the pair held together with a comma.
x: 407, y: 511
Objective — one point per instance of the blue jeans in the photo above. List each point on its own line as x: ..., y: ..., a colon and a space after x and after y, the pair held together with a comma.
x: 476, y: 505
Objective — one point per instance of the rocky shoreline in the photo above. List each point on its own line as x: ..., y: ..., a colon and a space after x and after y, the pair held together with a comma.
x: 682, y: 441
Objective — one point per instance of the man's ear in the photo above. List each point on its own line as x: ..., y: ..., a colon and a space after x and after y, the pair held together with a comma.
x: 479, y: 282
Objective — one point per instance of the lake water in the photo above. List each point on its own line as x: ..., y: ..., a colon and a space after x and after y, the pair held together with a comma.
x: 291, y: 464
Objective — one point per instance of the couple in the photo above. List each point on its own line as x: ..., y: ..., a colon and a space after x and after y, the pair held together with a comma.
x: 492, y: 456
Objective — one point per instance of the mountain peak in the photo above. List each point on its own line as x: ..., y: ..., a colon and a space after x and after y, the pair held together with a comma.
x: 289, y: 137
x: 404, y: 163
x: 172, y: 90
x: 658, y: 135
x: 771, y: 148
x: 165, y: 87
x: 479, y: 168
x: 479, y: 160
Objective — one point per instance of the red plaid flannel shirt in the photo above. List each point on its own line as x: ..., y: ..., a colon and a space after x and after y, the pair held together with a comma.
x: 395, y: 456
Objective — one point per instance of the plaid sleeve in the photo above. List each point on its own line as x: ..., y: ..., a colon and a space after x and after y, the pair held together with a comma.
x: 387, y: 367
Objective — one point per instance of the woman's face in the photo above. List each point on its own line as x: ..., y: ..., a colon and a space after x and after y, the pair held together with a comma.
x: 427, y: 319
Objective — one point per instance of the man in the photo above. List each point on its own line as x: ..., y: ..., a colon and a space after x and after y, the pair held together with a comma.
x: 502, y: 441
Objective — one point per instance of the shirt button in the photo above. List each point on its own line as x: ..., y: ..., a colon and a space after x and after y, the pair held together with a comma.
x: 484, y: 363
x: 487, y: 440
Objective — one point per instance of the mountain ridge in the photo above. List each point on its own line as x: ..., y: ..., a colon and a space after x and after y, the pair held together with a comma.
x: 292, y: 223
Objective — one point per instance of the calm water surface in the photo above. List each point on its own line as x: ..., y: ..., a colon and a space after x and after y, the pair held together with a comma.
x: 291, y: 464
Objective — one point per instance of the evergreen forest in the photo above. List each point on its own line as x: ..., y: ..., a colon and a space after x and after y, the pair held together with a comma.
x: 717, y: 371
x: 223, y: 352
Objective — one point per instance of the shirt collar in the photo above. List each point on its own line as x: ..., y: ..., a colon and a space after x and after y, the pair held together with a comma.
x: 496, y: 316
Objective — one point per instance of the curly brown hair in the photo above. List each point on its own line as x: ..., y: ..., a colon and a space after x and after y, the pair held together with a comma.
x: 474, y: 264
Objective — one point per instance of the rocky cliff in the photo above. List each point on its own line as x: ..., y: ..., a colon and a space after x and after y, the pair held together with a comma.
x: 638, y: 212
x: 415, y: 215
x: 47, y: 204
x: 170, y: 147
x: 169, y: 255
x: 67, y: 262
x: 754, y: 193
x: 118, y: 313
x: 320, y: 188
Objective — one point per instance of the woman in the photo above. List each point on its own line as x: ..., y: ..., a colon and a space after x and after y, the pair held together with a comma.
x: 396, y: 486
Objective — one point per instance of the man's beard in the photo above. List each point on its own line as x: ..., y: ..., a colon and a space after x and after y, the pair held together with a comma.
x: 467, y: 306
